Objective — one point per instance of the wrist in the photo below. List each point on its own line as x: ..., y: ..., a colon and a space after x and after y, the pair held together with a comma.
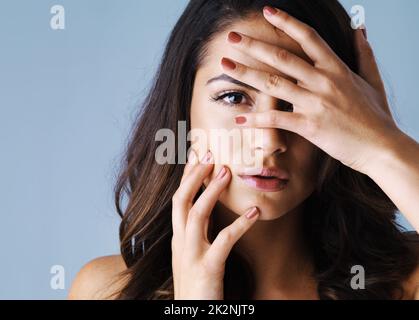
x: 396, y: 150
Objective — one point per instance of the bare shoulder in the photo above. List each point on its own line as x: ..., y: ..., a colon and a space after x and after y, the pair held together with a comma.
x: 98, y: 279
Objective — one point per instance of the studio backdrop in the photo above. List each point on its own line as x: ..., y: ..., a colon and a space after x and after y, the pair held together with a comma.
x: 72, y: 75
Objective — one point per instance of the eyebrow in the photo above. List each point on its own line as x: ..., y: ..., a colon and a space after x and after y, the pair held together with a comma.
x: 225, y: 77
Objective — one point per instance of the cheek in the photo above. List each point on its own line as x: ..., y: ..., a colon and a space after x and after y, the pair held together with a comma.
x: 212, y: 127
x: 208, y: 126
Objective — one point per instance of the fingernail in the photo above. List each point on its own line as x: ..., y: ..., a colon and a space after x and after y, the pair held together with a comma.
x: 207, y: 158
x: 252, y: 213
x: 240, y: 120
x: 234, y: 37
x: 228, y: 64
x: 221, y: 173
x: 269, y: 10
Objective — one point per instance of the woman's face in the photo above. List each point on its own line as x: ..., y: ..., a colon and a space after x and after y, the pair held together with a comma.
x: 279, y: 149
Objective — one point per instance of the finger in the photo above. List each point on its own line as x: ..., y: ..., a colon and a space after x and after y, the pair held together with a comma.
x: 289, y: 121
x: 272, y: 84
x: 225, y: 240
x: 368, y: 67
x: 183, y: 197
x: 192, y: 161
x: 310, y: 41
x: 274, y: 56
x: 198, y: 217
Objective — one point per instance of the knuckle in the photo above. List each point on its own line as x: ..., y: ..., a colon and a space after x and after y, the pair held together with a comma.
x: 312, y: 127
x: 281, y: 55
x: 273, y: 81
x: 318, y: 102
x: 328, y: 84
x: 342, y: 70
x: 285, y: 17
x: 248, y: 42
x: 214, y: 187
x: 194, y: 213
x: 310, y: 33
x: 226, y: 236
x: 241, y: 226
x: 217, y: 183
x: 240, y: 70
x: 177, y: 197
x: 272, y: 118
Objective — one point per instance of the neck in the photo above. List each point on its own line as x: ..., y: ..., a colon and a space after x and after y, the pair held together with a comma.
x: 276, y: 253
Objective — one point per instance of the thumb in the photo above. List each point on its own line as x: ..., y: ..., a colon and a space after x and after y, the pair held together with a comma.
x: 367, y: 65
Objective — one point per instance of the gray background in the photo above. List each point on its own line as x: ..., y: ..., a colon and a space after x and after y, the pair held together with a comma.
x: 67, y: 101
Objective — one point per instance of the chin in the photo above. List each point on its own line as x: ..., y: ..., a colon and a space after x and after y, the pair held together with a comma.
x: 269, y: 214
x: 271, y: 208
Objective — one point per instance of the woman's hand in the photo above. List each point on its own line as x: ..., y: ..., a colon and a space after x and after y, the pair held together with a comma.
x: 198, y: 266
x: 344, y: 114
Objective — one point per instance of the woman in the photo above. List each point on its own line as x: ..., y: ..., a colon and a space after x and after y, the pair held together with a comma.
x: 335, y: 166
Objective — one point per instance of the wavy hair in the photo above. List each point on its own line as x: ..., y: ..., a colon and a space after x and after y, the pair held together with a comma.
x: 348, y: 219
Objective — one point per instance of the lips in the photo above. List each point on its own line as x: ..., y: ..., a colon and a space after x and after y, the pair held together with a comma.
x: 265, y: 179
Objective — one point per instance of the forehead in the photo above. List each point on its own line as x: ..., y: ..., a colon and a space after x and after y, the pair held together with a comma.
x: 257, y: 27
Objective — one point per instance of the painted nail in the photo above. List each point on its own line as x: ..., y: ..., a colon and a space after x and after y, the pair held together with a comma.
x: 269, y: 10
x: 240, y: 120
x: 207, y: 158
x: 234, y: 37
x: 221, y: 173
x: 252, y: 213
x: 228, y: 64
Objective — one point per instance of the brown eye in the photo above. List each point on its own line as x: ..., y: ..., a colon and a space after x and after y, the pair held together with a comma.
x: 232, y: 99
x: 285, y: 106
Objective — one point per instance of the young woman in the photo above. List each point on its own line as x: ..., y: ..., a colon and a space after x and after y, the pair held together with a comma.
x: 336, y: 167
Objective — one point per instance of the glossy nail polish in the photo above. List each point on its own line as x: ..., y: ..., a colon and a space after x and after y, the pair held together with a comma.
x: 221, y: 174
x: 234, y: 37
x: 207, y: 158
x: 227, y: 63
x: 240, y: 120
x: 269, y: 10
x: 252, y: 213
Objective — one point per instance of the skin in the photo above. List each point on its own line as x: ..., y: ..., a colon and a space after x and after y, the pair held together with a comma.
x: 324, y: 92
x: 280, y: 148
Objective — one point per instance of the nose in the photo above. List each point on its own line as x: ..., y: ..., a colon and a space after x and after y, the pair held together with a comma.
x: 273, y: 141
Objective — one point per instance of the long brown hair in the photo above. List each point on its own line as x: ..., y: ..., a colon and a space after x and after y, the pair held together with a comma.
x: 349, y: 220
